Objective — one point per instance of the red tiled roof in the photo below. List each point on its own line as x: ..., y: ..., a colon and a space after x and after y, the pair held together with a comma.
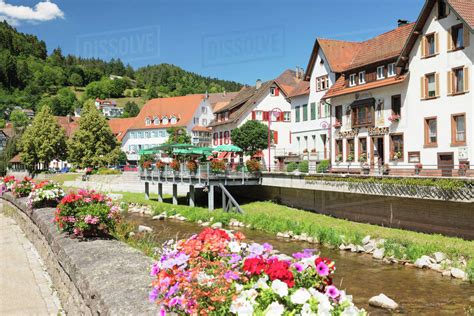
x: 9, y: 130
x: 465, y: 8
x: 182, y: 108
x: 199, y: 128
x: 69, y: 123
x: 288, y: 81
x: 15, y: 159
x: 301, y: 89
x: 221, y: 97
x: 339, y: 54
x: 119, y: 126
x: 219, y: 106
x: 338, y: 88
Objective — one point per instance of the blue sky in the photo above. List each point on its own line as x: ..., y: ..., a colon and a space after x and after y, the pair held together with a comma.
x: 235, y: 40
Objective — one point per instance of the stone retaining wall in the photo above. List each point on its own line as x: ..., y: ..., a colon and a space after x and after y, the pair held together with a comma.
x: 105, y: 277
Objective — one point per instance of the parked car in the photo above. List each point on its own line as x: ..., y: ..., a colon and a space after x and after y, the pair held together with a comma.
x: 65, y: 170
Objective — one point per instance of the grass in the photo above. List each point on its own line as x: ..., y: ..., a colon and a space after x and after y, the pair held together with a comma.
x: 273, y: 218
x: 62, y: 177
x: 140, y: 101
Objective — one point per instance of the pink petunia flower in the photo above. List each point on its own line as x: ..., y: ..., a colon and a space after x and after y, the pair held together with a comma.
x: 323, y: 269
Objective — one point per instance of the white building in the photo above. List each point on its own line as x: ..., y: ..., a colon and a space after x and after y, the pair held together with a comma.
x: 265, y: 102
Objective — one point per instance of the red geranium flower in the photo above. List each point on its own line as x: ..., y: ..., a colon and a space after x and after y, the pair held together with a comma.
x: 254, y: 266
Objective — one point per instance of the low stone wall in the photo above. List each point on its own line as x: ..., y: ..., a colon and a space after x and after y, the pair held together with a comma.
x: 105, y: 277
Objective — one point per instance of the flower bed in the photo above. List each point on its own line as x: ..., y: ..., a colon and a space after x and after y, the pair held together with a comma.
x: 87, y: 214
x: 7, y: 183
x: 45, y: 194
x: 217, y: 273
x: 22, y: 188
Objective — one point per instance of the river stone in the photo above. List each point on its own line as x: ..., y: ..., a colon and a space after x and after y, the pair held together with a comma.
x: 458, y: 273
x: 205, y: 224
x: 342, y: 247
x: 383, y: 301
x: 435, y: 267
x: 216, y: 225
x: 439, y: 256
x: 280, y: 234
x: 144, y: 229
x: 366, y: 240
x: 159, y: 217
x: 369, y: 247
x: 359, y: 248
x: 378, y: 253
x: 424, y: 261
x: 446, y: 273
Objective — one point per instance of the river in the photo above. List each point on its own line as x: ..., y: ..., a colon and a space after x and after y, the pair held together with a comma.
x: 418, y: 292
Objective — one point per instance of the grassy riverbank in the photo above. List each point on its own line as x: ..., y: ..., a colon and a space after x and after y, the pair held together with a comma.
x: 274, y: 218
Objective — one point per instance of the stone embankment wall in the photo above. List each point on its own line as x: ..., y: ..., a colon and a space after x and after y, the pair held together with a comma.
x: 105, y: 277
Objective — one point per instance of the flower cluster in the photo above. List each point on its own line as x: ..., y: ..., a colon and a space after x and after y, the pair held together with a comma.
x: 45, y: 193
x: 22, y: 188
x: 192, y: 165
x: 394, y: 118
x: 160, y: 165
x: 7, y: 183
x: 253, y: 165
x: 175, y: 165
x: 217, y: 273
x: 217, y: 165
x: 86, y: 214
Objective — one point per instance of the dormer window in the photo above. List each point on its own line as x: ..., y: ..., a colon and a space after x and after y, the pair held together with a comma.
x: 156, y: 121
x: 380, y: 72
x: 226, y: 116
x: 173, y: 120
x: 322, y: 83
x: 147, y: 121
x: 352, y: 80
x: 391, y: 70
x: 164, y: 120
x: 362, y: 77
x: 274, y: 91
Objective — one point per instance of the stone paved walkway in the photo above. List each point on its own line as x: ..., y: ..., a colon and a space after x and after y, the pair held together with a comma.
x: 25, y: 286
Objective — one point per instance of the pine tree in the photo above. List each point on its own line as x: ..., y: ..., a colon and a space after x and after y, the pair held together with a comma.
x: 93, y: 144
x: 43, y: 141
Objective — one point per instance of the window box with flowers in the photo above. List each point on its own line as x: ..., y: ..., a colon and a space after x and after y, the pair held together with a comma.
x: 397, y: 155
x: 418, y: 168
x: 394, y: 118
x: 160, y: 165
x: 350, y: 157
x: 338, y: 157
x: 363, y: 157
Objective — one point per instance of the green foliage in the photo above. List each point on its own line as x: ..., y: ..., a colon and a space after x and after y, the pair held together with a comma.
x: 62, y: 104
x: 146, y: 157
x: 19, y: 118
x: 106, y: 88
x: 43, y: 141
x: 2, y: 123
x: 178, y: 135
x: 108, y: 171
x: 11, y: 149
x: 93, y: 144
x: 470, y: 270
x: 323, y: 166
x: 292, y: 166
x: 76, y: 80
x: 122, y: 158
x: 131, y: 109
x: 251, y: 137
x: 303, y: 166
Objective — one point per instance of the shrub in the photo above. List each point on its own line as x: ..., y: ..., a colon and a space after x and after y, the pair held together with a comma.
x: 218, y: 272
x: 217, y: 166
x: 106, y: 171
x: 292, y: 166
x: 303, y: 166
x: 23, y: 188
x: 323, y: 166
x: 87, y: 214
x: 253, y: 165
x: 45, y: 193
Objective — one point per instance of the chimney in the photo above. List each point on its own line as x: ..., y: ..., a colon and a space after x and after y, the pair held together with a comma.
x: 297, y: 72
x: 402, y: 22
x: 69, y: 118
x: 225, y: 93
x: 258, y: 84
x: 206, y: 95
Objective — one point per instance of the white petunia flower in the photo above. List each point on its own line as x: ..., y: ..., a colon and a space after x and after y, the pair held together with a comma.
x: 275, y: 309
x: 241, y: 307
x: 262, y: 283
x: 351, y: 311
x: 234, y: 247
x: 306, y: 310
x: 300, y: 297
x: 309, y: 262
x: 280, y: 288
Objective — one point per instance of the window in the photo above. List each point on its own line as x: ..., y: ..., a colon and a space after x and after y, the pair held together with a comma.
x: 140, y: 135
x: 414, y: 156
x: 458, y: 80
x: 430, y: 86
x: 396, y: 147
x: 156, y: 121
x: 338, y: 113
x: 324, y: 109
x: 164, y: 120
x: 338, y: 149
x: 350, y: 149
x: 458, y: 129
x: 362, y: 77
x: 430, y: 45
x: 204, y: 122
x: 133, y: 135
x: 274, y: 91
x: 287, y: 116
x: 147, y: 134
x: 305, y: 112
x: 322, y: 83
x: 313, y: 111
x: 362, y: 116
x: 396, y: 104
x: 380, y: 72
x: 391, y: 70
x: 162, y: 133
x: 457, y: 37
x: 363, y: 149
x: 259, y: 115
x: 154, y: 134
x: 173, y: 120
x: 147, y: 121
x: 297, y: 114
x: 442, y: 12
x: 431, y: 133
x: 352, y: 80
x: 204, y: 109
x: 226, y: 116
x: 196, y: 120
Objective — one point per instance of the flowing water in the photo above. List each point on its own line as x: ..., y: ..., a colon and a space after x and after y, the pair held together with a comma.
x: 418, y: 292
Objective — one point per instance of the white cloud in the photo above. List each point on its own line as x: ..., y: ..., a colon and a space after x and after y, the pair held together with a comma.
x: 42, y: 11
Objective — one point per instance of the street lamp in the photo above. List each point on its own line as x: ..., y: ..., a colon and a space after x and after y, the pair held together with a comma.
x: 275, y: 112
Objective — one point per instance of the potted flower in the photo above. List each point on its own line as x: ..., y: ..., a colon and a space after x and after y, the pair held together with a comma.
x: 45, y: 194
x: 253, y: 165
x: 394, y: 118
x: 365, y: 168
x: 418, y: 168
x: 339, y: 157
x: 8, y: 183
x: 397, y: 155
x: 305, y: 151
x: 175, y: 165
x: 192, y: 166
x: 337, y: 124
x: 350, y: 157
x: 217, y: 166
x: 463, y: 167
x: 363, y: 157
x: 146, y: 165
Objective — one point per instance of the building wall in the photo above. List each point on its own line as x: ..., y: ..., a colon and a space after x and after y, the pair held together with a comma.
x: 443, y: 106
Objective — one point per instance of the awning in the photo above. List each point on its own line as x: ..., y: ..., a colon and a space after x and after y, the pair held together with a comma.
x: 368, y: 101
x: 228, y: 148
x: 224, y: 155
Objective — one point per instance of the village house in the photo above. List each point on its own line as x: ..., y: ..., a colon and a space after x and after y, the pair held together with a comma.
x: 400, y: 83
x: 265, y: 102
x: 109, y: 108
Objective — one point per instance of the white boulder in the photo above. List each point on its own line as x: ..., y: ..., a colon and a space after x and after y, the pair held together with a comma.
x: 458, y: 274
x: 383, y: 301
x: 144, y: 229
x: 379, y: 253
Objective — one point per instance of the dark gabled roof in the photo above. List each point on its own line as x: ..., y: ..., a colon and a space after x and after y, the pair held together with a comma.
x: 462, y: 8
x: 301, y: 89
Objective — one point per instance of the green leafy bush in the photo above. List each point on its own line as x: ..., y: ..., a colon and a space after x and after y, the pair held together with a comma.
x: 303, y: 166
x: 292, y: 166
x: 107, y: 171
x: 323, y: 166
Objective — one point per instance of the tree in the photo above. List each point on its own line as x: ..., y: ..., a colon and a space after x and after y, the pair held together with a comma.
x: 131, y: 109
x: 178, y: 135
x: 93, y: 144
x: 251, y: 137
x: 76, y: 80
x: 18, y: 118
x: 63, y: 103
x: 152, y: 93
x: 43, y: 141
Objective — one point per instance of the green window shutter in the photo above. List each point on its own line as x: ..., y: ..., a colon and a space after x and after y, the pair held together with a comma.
x: 305, y: 112
x: 313, y: 111
x: 297, y: 114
